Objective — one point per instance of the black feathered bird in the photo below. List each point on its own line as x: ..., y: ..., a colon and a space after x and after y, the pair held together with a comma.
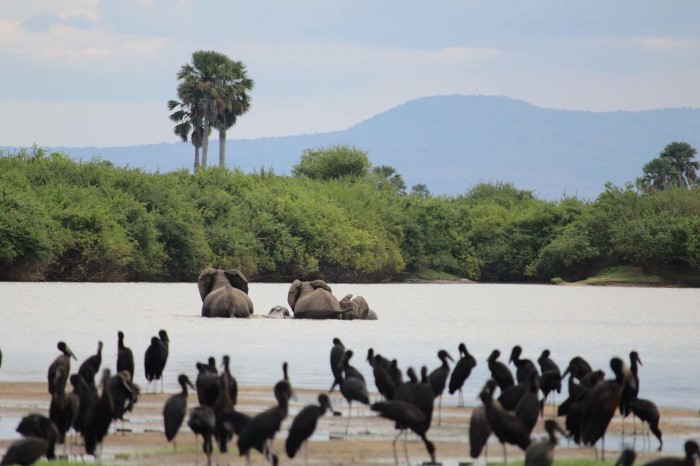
x: 86, y: 396
x: 336, y: 359
x: 175, y: 409
x: 542, y: 453
x: 25, y: 451
x: 62, y: 361
x: 353, y: 387
x: 648, y: 412
x: 630, y: 388
x: 626, y: 458
x: 383, y: 381
x: 499, y: 371
x: 153, y: 361
x: 479, y: 431
x: 692, y: 450
x: 505, y: 425
x: 40, y: 426
x: 202, y: 422
x: 522, y: 365
x: 92, y: 363
x: 438, y: 379
x: 232, y: 382
x: 599, y: 406
x: 99, y: 417
x: 125, y: 357
x: 63, y: 408
x: 304, y: 425
x: 408, y: 416
x: 207, y: 384
x: 263, y: 427
x: 461, y: 372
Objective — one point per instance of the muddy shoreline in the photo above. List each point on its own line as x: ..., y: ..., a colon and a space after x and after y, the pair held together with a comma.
x: 369, y: 442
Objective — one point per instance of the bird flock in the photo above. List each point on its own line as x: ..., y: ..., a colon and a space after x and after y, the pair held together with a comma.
x: 510, y: 404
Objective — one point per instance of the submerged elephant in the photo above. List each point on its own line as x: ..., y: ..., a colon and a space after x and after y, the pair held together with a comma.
x: 313, y: 300
x: 358, y: 307
x: 279, y: 312
x: 224, y: 293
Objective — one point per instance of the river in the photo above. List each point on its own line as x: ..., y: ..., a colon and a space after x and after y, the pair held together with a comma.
x: 415, y: 321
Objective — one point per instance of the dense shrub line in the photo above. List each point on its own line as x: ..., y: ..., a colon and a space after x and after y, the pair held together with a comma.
x: 63, y: 220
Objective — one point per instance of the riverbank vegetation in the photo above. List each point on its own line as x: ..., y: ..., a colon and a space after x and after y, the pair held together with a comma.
x: 92, y: 221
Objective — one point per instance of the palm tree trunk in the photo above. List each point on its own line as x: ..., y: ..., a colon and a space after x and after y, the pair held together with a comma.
x: 196, y: 158
x: 205, y: 142
x: 222, y: 148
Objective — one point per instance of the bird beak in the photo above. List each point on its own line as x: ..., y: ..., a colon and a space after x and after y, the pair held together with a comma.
x: 639, y: 360
x: 71, y: 353
x: 565, y: 372
x: 191, y: 385
x: 449, y: 357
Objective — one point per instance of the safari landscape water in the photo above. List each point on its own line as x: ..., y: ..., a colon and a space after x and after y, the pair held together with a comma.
x: 415, y: 321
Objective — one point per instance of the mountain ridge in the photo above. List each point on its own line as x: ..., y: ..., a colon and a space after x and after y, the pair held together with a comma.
x: 452, y: 142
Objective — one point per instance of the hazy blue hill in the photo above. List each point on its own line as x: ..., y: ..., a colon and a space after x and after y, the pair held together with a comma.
x: 452, y: 142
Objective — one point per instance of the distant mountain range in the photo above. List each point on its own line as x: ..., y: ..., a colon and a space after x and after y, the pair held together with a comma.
x: 452, y: 142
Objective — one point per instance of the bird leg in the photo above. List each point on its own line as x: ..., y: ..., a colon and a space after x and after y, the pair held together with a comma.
x: 440, y: 410
x: 347, y: 426
x: 306, y: 452
x: 505, y: 455
x: 405, y: 449
x: 393, y: 444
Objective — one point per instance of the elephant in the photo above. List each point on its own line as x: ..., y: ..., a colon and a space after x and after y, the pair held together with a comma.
x: 279, y: 312
x: 224, y: 293
x: 359, y: 308
x: 313, y: 300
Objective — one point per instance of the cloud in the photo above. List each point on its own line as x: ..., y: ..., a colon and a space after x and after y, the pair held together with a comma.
x: 67, y: 44
x: 664, y: 43
x: 347, y: 54
x: 644, y: 43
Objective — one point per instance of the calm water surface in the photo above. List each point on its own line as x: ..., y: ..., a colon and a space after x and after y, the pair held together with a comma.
x: 415, y: 321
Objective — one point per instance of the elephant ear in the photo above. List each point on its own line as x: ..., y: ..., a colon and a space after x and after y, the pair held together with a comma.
x: 321, y: 284
x: 362, y: 306
x: 293, y: 293
x: 346, y: 303
x: 237, y: 280
x: 205, y: 281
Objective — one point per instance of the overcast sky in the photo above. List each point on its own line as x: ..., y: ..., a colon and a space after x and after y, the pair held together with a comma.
x: 99, y: 73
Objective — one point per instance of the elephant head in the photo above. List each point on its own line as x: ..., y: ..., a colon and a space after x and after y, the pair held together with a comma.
x: 358, y: 307
x: 279, y: 312
x: 224, y: 293
x: 313, y: 300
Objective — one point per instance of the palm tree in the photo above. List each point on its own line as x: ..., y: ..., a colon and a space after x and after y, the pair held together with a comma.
x: 388, y: 176
x: 238, y: 85
x: 681, y: 155
x: 203, y: 86
x: 658, y: 173
x: 421, y: 190
x: 187, y: 122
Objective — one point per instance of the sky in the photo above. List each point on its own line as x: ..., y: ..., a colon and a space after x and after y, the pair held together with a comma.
x: 99, y: 72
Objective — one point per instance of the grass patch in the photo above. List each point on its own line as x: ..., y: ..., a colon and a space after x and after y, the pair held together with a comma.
x: 431, y: 275
x: 626, y: 275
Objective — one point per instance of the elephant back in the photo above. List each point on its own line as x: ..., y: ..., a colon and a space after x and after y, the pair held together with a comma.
x: 314, y: 296
x: 224, y: 293
x: 211, y: 278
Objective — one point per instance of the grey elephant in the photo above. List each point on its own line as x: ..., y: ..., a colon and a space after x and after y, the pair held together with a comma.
x: 279, y: 312
x: 358, y: 307
x: 224, y: 293
x: 313, y: 300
